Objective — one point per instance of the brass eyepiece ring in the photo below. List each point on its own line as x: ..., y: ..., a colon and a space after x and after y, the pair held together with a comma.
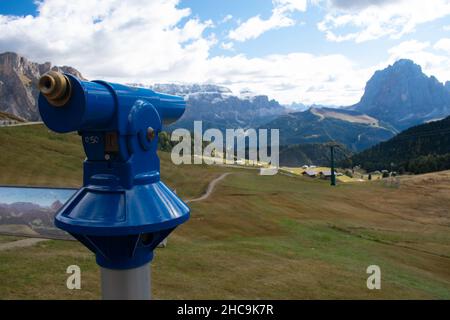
x: 56, y: 88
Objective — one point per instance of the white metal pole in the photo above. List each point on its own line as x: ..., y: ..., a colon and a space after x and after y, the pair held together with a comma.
x: 129, y: 284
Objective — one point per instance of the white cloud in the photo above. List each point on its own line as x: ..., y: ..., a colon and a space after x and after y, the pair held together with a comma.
x: 407, y: 47
x: 280, y: 18
x: 329, y: 79
x: 443, y: 45
x: 434, y: 59
x: 150, y: 41
x: 227, y: 18
x: 290, y: 5
x: 227, y: 45
x: 357, y: 4
x: 255, y: 26
x: 373, y: 19
x: 109, y: 37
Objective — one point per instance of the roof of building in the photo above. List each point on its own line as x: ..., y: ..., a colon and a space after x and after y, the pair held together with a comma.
x: 310, y: 173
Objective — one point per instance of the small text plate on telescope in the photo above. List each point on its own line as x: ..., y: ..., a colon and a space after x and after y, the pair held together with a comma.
x: 111, y: 142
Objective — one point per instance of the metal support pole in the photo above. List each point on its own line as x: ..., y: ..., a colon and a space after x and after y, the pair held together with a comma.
x: 333, y: 176
x: 129, y: 284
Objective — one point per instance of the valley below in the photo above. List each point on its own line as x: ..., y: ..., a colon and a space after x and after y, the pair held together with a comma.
x: 253, y: 237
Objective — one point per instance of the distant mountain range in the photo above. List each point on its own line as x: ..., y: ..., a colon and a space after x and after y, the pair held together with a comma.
x: 217, y: 107
x: 355, y: 130
x: 34, y: 219
x: 394, y: 99
x: 422, y: 148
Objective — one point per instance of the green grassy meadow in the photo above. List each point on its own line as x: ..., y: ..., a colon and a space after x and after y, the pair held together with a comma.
x: 255, y: 237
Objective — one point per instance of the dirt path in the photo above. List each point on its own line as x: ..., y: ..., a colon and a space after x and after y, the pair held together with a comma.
x: 210, y: 188
x: 23, y: 124
x: 21, y: 243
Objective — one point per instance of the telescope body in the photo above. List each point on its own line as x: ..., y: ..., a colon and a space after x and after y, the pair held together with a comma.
x: 123, y: 211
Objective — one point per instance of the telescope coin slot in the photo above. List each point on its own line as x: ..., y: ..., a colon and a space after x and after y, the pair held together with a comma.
x: 111, y: 142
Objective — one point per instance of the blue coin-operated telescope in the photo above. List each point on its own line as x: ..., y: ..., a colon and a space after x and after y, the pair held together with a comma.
x: 123, y: 211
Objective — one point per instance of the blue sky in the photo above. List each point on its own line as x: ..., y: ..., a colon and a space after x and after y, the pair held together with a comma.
x: 17, y: 7
x: 310, y: 51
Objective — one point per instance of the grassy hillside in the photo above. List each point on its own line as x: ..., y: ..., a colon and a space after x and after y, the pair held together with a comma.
x: 34, y: 155
x: 420, y: 149
x: 255, y: 237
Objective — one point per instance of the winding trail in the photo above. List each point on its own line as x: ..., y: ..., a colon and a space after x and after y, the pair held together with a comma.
x: 21, y: 243
x: 210, y: 188
x: 21, y: 124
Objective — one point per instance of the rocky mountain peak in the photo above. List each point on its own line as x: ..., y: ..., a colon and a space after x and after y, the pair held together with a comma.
x: 11, y: 63
x: 18, y: 84
x: 56, y: 205
x: 403, y: 96
x: 406, y: 65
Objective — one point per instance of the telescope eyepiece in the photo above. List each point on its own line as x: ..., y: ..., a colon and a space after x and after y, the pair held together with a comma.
x: 56, y: 88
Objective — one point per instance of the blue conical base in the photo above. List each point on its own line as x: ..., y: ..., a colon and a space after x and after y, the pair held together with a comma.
x: 122, y: 226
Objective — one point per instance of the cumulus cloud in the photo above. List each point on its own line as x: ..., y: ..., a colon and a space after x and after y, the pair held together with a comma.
x: 443, y: 45
x: 328, y: 79
x: 150, y: 41
x: 370, y: 19
x: 255, y: 26
x: 290, y: 5
x: 280, y: 18
x: 407, y: 47
x: 358, y: 4
x: 109, y: 37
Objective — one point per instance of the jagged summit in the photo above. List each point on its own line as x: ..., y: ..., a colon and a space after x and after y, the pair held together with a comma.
x: 406, y: 64
x: 403, y: 96
x: 18, y: 84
